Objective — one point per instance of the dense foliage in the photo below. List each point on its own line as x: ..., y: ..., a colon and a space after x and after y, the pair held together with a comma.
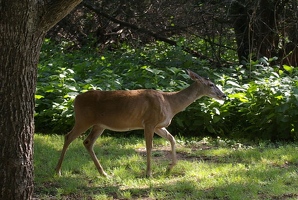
x: 262, y: 99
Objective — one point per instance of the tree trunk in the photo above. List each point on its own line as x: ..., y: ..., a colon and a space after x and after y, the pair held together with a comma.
x: 238, y: 14
x: 18, y: 81
x: 23, y: 26
x: 254, y: 26
x: 19, y: 56
x: 265, y: 30
x: 259, y: 27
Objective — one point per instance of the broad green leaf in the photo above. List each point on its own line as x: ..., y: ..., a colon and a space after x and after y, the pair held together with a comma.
x: 37, y: 96
x: 71, y: 71
x: 72, y: 88
x: 233, y: 84
x: 240, y: 96
x: 288, y: 68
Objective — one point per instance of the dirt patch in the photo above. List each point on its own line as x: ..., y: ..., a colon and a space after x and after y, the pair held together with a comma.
x: 165, y: 153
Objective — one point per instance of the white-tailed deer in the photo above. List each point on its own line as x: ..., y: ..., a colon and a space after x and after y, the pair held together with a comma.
x: 146, y: 109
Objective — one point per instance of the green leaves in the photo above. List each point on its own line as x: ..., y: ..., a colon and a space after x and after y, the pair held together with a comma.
x: 262, y: 102
x: 288, y: 68
x: 240, y: 96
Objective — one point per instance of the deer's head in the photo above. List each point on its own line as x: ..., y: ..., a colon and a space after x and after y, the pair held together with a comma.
x: 208, y: 87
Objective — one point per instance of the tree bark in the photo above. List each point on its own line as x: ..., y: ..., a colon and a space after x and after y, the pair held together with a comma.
x: 265, y: 30
x: 23, y: 26
x: 241, y: 27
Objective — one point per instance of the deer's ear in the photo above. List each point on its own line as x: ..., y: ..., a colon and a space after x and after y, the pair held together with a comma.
x: 196, y: 77
x: 193, y: 75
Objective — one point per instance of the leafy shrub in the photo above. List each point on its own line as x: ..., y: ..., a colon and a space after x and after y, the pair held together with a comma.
x: 260, y: 106
x: 266, y: 107
x: 262, y: 101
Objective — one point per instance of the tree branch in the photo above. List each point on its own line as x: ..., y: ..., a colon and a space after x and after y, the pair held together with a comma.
x: 55, y: 11
x: 148, y: 32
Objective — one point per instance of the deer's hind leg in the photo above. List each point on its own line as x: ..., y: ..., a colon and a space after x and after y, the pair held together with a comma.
x: 89, y: 143
x: 77, y: 130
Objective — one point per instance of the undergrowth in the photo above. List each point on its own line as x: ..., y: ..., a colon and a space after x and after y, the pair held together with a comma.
x: 262, y: 98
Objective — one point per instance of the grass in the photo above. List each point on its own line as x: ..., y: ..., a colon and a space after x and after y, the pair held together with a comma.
x: 207, y: 169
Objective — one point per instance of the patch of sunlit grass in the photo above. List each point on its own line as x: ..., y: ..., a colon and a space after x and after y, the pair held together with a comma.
x: 206, y: 169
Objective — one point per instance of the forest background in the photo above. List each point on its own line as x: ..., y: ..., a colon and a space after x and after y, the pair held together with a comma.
x: 249, y: 48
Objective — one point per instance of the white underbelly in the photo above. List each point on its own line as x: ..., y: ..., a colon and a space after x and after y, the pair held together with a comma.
x: 121, y: 129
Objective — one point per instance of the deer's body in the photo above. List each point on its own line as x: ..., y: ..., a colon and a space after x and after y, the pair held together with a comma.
x: 125, y: 110
x: 145, y: 106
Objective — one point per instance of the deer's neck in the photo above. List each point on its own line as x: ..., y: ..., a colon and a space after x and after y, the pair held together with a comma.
x: 182, y: 99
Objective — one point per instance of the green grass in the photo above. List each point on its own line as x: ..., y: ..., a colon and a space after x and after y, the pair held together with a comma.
x: 207, y: 169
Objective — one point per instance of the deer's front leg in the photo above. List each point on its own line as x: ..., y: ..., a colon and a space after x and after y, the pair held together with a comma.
x: 163, y: 132
x: 149, y: 132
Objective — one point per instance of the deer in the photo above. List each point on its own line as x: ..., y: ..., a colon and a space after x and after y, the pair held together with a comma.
x: 125, y: 110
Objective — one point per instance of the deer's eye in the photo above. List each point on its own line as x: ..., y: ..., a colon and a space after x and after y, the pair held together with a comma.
x: 211, y: 85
